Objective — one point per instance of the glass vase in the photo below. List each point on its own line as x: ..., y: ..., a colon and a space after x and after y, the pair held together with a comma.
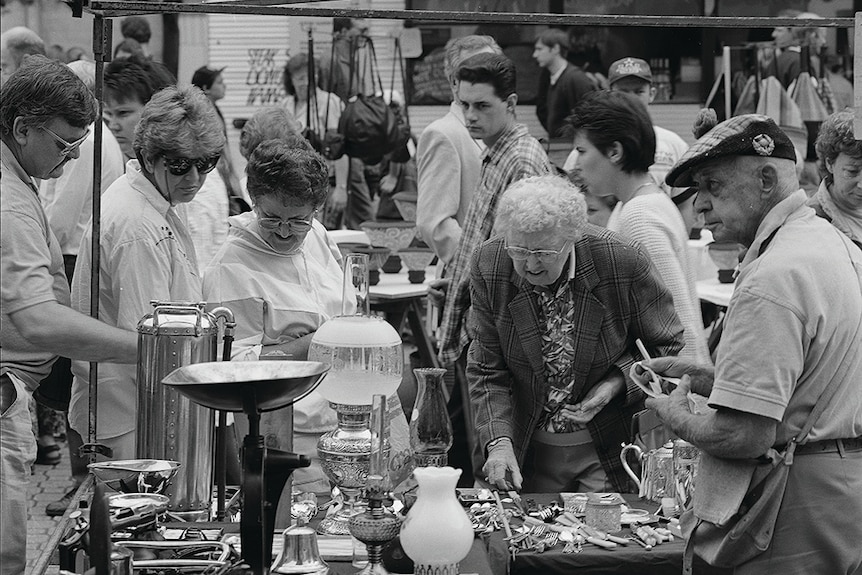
x: 430, y: 426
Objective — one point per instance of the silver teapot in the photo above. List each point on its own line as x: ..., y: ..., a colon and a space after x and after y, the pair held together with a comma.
x: 668, y: 471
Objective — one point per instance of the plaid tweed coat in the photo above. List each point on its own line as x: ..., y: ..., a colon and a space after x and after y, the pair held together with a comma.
x: 618, y: 297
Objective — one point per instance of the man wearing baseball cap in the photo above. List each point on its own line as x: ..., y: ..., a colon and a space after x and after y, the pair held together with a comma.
x: 634, y: 76
x: 792, y: 340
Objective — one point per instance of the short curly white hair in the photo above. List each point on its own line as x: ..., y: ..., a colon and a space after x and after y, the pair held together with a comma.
x: 542, y: 203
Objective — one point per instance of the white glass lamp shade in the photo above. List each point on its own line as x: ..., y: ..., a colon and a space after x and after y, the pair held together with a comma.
x: 437, y: 533
x: 365, y: 357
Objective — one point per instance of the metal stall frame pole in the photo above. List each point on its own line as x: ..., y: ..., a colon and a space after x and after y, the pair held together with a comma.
x: 117, y: 8
x: 102, y: 28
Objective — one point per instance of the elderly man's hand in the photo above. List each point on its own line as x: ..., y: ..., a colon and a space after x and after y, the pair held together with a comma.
x: 501, y: 468
x: 596, y: 399
x: 701, y: 376
x: 670, y: 408
x: 437, y: 291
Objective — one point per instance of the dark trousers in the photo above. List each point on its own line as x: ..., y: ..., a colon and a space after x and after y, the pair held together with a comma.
x: 58, y: 385
x: 360, y: 195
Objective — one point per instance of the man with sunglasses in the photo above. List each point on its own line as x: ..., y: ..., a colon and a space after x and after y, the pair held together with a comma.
x: 146, y: 249
x: 44, y: 114
x: 556, y: 306
x: 68, y: 202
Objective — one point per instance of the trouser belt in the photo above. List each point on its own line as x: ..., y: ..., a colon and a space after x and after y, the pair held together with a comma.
x: 830, y: 446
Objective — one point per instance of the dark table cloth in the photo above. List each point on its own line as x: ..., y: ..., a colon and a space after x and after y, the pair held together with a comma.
x: 631, y: 559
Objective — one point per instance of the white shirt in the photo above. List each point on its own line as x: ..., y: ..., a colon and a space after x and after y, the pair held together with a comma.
x: 146, y: 254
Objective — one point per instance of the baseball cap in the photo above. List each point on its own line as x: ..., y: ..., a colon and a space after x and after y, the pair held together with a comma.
x: 629, y: 67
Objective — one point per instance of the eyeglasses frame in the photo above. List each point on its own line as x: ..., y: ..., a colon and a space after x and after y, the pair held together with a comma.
x: 68, y: 147
x: 304, y: 224
x: 544, y: 256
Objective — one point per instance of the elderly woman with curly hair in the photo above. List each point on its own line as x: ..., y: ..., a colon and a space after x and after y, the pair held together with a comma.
x: 146, y: 250
x: 557, y: 304
x: 839, y: 159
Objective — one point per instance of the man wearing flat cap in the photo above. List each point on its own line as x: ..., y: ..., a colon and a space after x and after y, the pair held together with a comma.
x: 792, y: 345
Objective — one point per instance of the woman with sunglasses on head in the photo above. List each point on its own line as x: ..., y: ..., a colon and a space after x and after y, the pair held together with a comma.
x: 146, y: 250
x: 280, y: 274
x: 557, y: 305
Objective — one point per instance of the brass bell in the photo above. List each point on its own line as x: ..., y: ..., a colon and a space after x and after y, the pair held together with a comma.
x: 299, y: 553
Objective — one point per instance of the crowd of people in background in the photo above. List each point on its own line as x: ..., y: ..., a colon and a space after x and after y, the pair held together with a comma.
x: 547, y: 274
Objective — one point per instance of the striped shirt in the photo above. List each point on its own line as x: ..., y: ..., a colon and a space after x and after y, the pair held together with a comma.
x: 516, y: 155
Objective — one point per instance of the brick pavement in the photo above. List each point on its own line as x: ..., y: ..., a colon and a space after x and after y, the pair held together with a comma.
x: 48, y: 483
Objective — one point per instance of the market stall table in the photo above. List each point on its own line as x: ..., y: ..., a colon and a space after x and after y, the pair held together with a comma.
x: 715, y: 292
x: 395, y: 296
x: 337, y: 552
x: 632, y: 559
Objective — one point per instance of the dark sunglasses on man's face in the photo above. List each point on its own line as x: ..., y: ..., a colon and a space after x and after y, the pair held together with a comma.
x: 181, y: 166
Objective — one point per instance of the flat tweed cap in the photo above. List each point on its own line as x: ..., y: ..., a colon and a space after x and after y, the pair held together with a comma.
x: 746, y: 135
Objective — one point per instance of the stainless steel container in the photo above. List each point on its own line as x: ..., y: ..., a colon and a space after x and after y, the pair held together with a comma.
x: 169, y: 425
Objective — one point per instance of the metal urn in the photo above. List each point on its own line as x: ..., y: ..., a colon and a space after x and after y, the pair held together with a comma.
x: 169, y: 425
x: 365, y: 356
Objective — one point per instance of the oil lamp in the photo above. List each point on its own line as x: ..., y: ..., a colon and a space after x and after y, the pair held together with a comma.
x: 376, y: 526
x: 365, y: 356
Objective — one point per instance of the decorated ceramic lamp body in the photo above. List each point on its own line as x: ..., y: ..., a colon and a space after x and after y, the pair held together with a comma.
x: 437, y: 533
x: 393, y: 235
x: 416, y: 260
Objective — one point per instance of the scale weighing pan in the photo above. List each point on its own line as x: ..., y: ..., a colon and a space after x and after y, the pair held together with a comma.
x: 222, y: 385
x: 135, y: 475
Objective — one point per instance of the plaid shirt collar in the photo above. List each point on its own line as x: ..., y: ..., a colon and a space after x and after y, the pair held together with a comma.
x: 507, y: 140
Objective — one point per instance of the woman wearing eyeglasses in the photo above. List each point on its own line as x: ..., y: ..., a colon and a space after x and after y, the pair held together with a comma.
x: 557, y: 304
x: 280, y: 274
x: 146, y: 250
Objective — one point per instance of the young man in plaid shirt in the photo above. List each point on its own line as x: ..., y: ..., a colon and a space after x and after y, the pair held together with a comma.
x: 486, y: 92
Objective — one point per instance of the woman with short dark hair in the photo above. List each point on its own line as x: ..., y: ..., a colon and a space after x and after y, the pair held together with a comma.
x: 615, y: 141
